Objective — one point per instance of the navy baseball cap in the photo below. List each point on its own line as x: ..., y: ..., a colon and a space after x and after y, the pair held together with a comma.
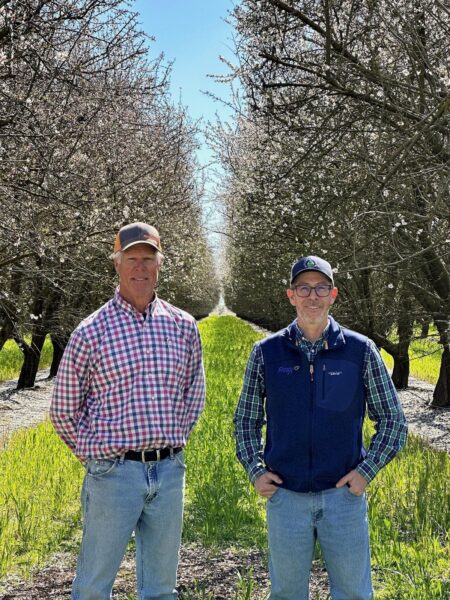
x: 137, y: 233
x: 312, y: 263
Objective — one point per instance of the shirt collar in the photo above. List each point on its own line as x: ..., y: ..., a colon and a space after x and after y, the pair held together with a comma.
x: 128, y: 308
x: 300, y: 335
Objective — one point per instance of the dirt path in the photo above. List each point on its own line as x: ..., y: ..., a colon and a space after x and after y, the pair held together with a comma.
x: 24, y: 408
x: 201, y: 571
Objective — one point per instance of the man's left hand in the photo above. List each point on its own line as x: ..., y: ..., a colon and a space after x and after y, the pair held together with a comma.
x: 356, y: 482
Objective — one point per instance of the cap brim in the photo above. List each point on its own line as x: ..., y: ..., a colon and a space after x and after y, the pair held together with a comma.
x: 146, y: 242
x: 311, y: 271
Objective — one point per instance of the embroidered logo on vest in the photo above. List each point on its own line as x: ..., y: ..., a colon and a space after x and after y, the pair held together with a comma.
x: 288, y: 370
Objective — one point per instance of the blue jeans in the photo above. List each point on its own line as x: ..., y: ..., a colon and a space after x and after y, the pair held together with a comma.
x: 338, y: 519
x: 119, y: 497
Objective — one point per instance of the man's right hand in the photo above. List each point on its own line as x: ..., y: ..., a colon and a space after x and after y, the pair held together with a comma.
x: 266, y: 484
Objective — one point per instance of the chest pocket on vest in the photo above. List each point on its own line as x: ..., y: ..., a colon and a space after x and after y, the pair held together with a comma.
x: 337, y: 385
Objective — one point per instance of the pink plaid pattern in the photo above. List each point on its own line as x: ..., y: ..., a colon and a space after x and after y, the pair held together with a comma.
x: 129, y: 383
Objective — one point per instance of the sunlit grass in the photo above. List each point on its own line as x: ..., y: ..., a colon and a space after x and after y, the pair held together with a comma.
x: 221, y: 506
x: 39, y: 497
x: 408, y: 500
x: 409, y: 515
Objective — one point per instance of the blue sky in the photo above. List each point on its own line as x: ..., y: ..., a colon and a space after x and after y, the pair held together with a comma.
x: 193, y: 34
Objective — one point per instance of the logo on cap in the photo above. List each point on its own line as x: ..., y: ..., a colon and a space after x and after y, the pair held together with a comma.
x: 310, y: 263
x: 147, y: 236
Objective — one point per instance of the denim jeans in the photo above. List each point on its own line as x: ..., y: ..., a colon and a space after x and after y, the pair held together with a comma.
x: 119, y: 497
x: 338, y: 519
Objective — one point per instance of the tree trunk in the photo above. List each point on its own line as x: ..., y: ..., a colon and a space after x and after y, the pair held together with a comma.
x: 400, y: 374
x: 8, y: 309
x: 8, y: 316
x: 441, y: 394
x: 425, y: 328
x: 5, y: 333
x: 59, y: 344
x: 32, y: 355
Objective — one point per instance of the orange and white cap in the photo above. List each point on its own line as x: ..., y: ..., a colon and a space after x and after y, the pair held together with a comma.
x: 137, y: 233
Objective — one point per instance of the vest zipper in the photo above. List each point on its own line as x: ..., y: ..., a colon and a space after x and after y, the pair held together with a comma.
x: 311, y: 411
x: 324, y: 368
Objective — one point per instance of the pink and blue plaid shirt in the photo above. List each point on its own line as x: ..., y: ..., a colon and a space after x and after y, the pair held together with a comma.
x: 127, y: 382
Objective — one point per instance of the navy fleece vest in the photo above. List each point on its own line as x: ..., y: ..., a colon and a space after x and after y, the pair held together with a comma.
x: 314, y: 412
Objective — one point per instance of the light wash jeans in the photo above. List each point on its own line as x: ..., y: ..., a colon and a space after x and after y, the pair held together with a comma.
x: 119, y: 497
x: 338, y: 519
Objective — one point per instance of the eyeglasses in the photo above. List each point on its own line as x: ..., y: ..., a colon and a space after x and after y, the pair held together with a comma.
x: 322, y: 290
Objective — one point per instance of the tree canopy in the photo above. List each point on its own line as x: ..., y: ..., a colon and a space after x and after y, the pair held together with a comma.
x: 90, y: 141
x: 341, y: 149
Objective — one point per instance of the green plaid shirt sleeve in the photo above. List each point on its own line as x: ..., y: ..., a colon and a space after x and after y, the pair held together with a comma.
x: 249, y: 416
x: 384, y: 408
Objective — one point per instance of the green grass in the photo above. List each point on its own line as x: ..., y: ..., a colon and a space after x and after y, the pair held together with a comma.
x: 409, y: 508
x: 39, y: 497
x: 243, y: 591
x: 221, y: 506
x: 11, y: 359
x: 409, y: 515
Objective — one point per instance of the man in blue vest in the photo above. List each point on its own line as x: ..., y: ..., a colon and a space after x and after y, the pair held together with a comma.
x: 312, y: 383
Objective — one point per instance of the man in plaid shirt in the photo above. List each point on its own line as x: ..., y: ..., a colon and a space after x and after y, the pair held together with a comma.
x: 129, y: 390
x: 312, y: 384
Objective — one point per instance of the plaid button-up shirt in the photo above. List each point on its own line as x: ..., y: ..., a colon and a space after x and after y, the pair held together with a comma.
x: 129, y: 382
x: 383, y: 407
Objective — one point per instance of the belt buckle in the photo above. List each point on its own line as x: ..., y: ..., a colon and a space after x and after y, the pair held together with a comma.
x: 157, y: 452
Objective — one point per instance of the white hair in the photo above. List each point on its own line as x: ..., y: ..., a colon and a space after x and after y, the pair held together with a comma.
x: 117, y: 257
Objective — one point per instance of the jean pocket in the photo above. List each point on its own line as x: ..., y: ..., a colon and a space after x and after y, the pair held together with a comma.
x: 179, y: 459
x: 101, y: 467
x: 351, y: 496
x: 274, y: 496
